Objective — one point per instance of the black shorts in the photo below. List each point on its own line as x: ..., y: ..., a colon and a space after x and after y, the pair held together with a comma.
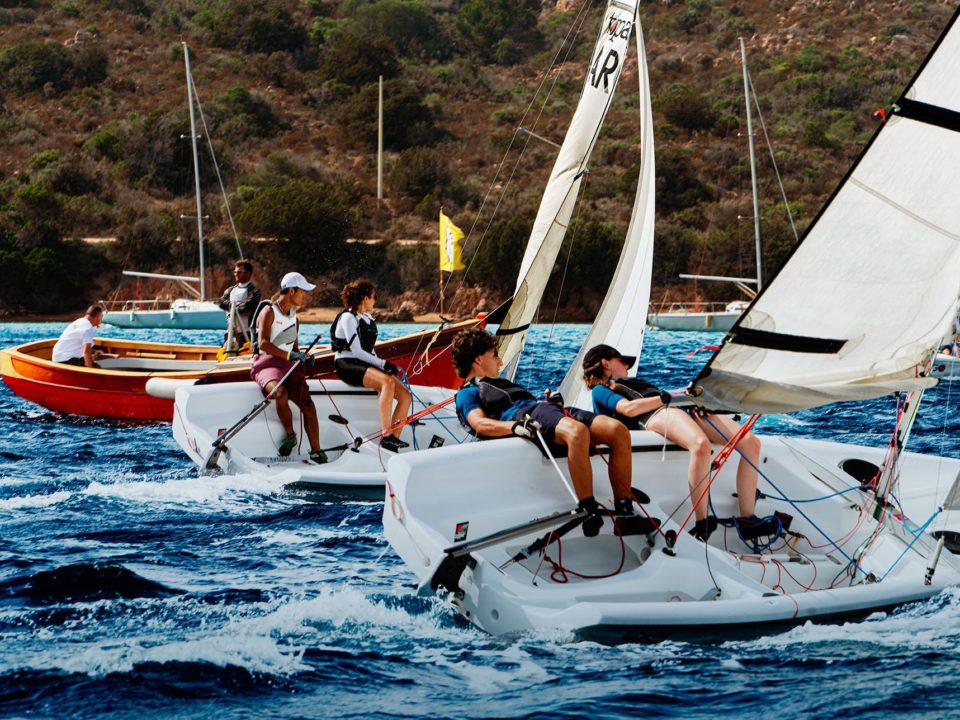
x: 351, y: 370
x: 549, y: 416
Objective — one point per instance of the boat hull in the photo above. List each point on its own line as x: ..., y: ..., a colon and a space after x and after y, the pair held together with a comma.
x: 118, y: 389
x: 204, y: 412
x: 693, y: 321
x: 636, y: 588
x: 211, y: 318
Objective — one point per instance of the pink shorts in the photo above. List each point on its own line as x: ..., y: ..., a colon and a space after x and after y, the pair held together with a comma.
x: 267, y: 369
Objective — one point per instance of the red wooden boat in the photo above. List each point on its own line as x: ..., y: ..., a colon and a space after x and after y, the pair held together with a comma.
x: 118, y: 389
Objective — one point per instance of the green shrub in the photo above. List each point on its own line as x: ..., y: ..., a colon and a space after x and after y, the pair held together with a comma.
x: 237, y: 115
x: 356, y: 60
x: 495, y: 28
x: 30, y: 66
x: 419, y: 171
x: 678, y: 186
x: 313, y: 217
x: 105, y: 144
x: 89, y: 64
x: 408, y: 24
x: 688, y: 108
x: 407, y: 121
x: 495, y: 260
x: 252, y: 26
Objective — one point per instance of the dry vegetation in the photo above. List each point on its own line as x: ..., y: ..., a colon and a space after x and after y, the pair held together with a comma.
x: 94, y: 104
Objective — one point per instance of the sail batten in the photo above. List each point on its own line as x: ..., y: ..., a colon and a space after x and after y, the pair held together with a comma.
x: 878, y: 269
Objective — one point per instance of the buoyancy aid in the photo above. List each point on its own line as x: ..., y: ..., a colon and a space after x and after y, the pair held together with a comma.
x: 283, y: 329
x: 366, y: 332
x: 497, y: 394
x: 634, y: 388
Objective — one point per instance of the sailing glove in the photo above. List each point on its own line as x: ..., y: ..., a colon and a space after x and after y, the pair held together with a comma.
x: 665, y: 397
x: 301, y: 357
x: 526, y: 427
x: 390, y: 369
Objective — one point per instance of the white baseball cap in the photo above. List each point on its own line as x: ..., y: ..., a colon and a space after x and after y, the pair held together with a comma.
x: 295, y: 280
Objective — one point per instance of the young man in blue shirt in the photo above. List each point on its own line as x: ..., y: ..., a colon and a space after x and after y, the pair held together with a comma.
x: 491, y: 407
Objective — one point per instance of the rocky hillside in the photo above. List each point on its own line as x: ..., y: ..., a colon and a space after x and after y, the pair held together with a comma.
x: 94, y: 117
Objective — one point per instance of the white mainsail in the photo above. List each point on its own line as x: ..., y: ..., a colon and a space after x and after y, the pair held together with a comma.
x: 623, y: 315
x: 872, y: 287
x: 563, y: 187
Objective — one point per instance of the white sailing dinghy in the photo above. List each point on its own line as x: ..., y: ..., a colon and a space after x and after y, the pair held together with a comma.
x: 357, y: 463
x: 460, y: 517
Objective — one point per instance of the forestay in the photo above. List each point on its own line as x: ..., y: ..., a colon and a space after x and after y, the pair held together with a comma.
x: 623, y: 315
x: 563, y: 187
x: 868, y: 293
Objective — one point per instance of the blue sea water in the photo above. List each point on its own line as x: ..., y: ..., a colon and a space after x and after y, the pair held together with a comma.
x: 132, y: 587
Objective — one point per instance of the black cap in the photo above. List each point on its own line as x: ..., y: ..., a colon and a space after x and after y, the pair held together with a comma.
x: 605, y: 352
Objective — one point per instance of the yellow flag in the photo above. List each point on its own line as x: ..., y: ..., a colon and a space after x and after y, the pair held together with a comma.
x: 450, y: 237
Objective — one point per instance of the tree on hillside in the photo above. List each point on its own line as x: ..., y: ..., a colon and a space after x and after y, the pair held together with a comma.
x: 313, y: 217
x: 500, y: 30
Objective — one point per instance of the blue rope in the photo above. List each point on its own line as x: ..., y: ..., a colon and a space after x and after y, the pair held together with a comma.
x: 915, y: 538
x: 792, y: 503
x: 409, y: 387
x: 818, y: 499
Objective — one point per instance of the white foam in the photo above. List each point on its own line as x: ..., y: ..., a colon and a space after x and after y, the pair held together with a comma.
x: 210, y: 491
x: 34, y: 501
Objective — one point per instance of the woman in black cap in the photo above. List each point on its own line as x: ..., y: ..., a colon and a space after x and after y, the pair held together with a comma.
x: 642, y: 406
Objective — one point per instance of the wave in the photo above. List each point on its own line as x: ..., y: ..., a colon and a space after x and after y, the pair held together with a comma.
x: 84, y: 582
x: 34, y: 501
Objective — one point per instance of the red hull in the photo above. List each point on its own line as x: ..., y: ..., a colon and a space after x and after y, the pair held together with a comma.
x: 118, y: 394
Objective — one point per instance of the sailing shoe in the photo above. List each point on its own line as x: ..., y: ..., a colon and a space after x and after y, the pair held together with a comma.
x: 592, y: 524
x: 287, y: 445
x: 401, y: 443
x: 626, y: 522
x: 703, y: 529
x: 391, y: 443
x: 318, y: 457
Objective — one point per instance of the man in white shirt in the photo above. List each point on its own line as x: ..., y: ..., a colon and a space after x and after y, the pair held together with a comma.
x: 75, y: 346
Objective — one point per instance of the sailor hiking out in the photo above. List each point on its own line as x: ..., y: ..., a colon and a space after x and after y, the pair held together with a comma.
x: 491, y: 407
x: 642, y: 406
x: 354, y: 336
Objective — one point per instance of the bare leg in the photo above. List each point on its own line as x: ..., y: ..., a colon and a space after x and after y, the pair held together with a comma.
x: 310, y: 423
x: 678, y: 427
x: 615, y: 435
x: 283, y: 406
x: 749, y: 445
x: 576, y: 437
x: 383, y: 384
x: 402, y: 409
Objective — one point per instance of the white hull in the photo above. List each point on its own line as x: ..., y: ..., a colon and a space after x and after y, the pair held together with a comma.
x: 182, y: 315
x: 692, y: 321
x: 202, y: 412
x: 506, y: 483
x: 946, y: 366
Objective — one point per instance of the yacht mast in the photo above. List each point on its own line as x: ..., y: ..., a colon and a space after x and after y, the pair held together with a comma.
x: 753, y: 163
x: 196, y: 169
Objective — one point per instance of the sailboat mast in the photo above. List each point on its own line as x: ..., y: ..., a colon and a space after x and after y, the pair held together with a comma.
x: 196, y: 168
x: 753, y: 164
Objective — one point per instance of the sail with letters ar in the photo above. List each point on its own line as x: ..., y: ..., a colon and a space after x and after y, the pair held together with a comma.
x: 865, y: 298
x: 623, y: 315
x: 563, y: 187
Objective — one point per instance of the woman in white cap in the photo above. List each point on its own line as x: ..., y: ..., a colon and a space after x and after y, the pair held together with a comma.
x: 353, y: 335
x: 642, y: 406
x: 277, y: 352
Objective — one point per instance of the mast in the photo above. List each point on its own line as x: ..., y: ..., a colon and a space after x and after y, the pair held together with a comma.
x: 753, y: 164
x: 196, y: 168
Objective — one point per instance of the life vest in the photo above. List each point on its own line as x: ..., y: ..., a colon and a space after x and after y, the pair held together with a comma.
x: 497, y: 394
x: 366, y: 331
x: 634, y: 388
x: 283, y: 329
